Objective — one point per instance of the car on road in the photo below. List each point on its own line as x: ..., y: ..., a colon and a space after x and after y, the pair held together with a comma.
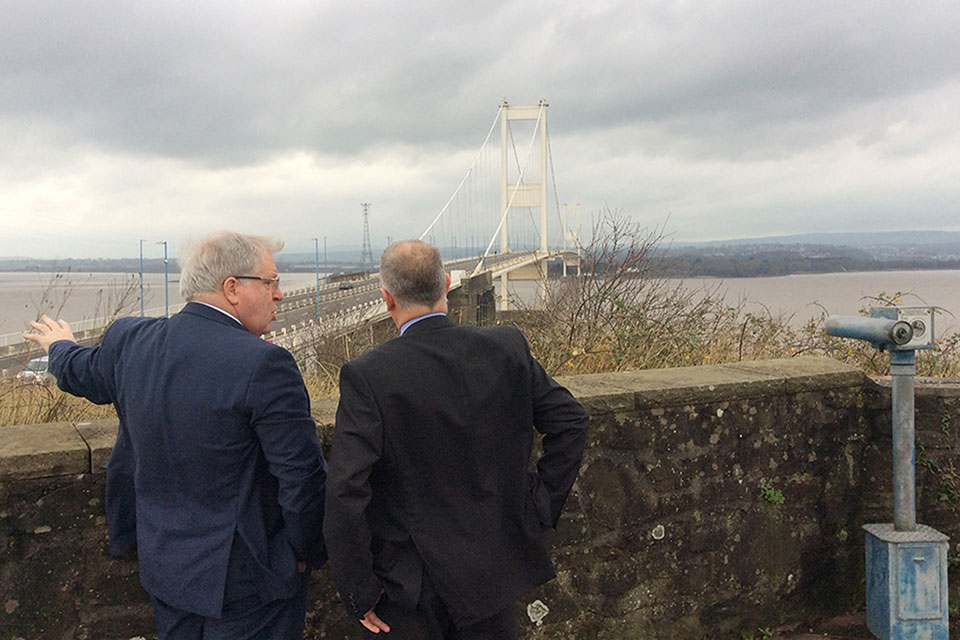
x: 37, y: 371
x: 346, y: 284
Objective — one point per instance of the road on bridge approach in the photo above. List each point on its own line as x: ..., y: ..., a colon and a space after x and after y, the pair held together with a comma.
x: 295, y: 309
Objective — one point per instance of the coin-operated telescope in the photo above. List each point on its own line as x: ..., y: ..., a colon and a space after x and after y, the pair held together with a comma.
x: 906, y: 563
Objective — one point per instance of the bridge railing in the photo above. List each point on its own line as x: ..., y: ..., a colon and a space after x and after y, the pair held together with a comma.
x: 305, y: 333
x: 327, y: 293
x: 299, y: 302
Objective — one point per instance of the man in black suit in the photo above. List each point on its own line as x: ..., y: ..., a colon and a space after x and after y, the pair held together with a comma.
x: 434, y: 521
x: 217, y: 476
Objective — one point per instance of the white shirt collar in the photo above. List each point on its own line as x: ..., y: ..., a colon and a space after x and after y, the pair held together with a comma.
x: 406, y: 325
x: 226, y: 313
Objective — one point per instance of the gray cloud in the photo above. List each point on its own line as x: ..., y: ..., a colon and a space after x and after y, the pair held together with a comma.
x: 811, y: 112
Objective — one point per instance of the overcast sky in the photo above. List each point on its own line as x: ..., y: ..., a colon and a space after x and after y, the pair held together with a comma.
x: 165, y: 120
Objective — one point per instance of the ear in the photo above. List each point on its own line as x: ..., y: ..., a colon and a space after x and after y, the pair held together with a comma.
x: 389, y: 299
x: 446, y: 289
x: 229, y: 290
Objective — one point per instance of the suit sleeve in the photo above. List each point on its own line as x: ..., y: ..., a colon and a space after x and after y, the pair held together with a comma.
x: 77, y: 370
x: 357, y: 446
x: 563, y: 422
x: 288, y: 436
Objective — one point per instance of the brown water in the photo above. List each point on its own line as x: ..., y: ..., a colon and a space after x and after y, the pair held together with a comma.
x: 802, y: 297
x: 82, y: 296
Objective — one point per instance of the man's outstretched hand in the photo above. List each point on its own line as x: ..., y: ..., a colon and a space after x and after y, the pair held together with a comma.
x: 49, y: 331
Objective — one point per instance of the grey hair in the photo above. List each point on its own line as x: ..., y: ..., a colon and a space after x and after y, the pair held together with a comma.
x: 205, y: 264
x: 412, y: 271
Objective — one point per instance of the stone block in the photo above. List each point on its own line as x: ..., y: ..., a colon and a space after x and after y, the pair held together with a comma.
x: 54, y: 504
x: 117, y: 622
x: 100, y: 436
x: 41, y: 578
x: 600, y: 393
x: 38, y: 450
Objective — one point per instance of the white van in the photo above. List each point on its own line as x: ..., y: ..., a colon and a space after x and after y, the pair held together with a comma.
x: 36, y: 371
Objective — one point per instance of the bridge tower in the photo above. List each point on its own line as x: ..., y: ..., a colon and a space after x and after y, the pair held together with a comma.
x: 520, y: 193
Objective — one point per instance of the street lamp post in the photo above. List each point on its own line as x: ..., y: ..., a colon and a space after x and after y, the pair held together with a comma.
x: 316, y: 263
x: 141, y: 277
x: 166, y: 281
x: 326, y: 274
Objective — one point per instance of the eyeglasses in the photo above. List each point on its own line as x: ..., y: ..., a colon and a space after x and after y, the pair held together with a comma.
x: 273, y: 283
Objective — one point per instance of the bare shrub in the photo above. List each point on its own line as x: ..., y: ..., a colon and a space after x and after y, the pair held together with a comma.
x: 35, y: 402
x: 322, y: 355
x: 114, y: 300
x: 620, y: 313
x: 117, y: 299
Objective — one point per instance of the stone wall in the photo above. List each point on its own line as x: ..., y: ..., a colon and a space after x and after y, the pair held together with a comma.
x: 712, y: 500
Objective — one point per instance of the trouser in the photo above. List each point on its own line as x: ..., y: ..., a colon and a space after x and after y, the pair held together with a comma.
x: 433, y: 620
x: 245, y: 619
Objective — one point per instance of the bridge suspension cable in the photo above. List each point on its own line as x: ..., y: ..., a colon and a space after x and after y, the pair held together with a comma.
x: 466, y: 175
x: 499, y: 184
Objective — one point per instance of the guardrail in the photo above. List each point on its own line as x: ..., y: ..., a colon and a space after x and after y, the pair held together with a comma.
x: 327, y: 293
x: 334, y: 295
x: 304, y: 333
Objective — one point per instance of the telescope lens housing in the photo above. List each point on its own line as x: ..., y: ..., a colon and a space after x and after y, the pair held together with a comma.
x: 901, y: 333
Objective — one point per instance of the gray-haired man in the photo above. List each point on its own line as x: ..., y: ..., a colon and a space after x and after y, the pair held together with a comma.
x: 217, y: 476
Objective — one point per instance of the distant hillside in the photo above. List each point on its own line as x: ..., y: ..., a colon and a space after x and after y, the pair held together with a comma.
x: 336, y: 261
x: 816, y: 253
x: 852, y: 239
x: 743, y: 257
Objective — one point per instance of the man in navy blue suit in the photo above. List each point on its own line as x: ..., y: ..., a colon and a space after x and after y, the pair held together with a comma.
x: 217, y: 476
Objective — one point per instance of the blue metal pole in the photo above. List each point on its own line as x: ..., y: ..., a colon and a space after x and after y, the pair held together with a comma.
x: 902, y: 370
x: 141, y: 277
x: 326, y: 274
x: 316, y: 262
x: 166, y: 286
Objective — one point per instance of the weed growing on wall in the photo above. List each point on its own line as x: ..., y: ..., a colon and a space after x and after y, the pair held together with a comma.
x: 771, y: 494
x: 761, y: 633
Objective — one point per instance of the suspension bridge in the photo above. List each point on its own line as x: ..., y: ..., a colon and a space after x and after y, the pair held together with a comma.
x: 503, y: 221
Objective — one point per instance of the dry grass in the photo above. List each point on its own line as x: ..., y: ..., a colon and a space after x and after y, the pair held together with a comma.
x: 29, y: 403
x: 38, y: 403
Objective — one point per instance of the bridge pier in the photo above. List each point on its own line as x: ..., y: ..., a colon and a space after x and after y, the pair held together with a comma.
x: 473, y: 301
